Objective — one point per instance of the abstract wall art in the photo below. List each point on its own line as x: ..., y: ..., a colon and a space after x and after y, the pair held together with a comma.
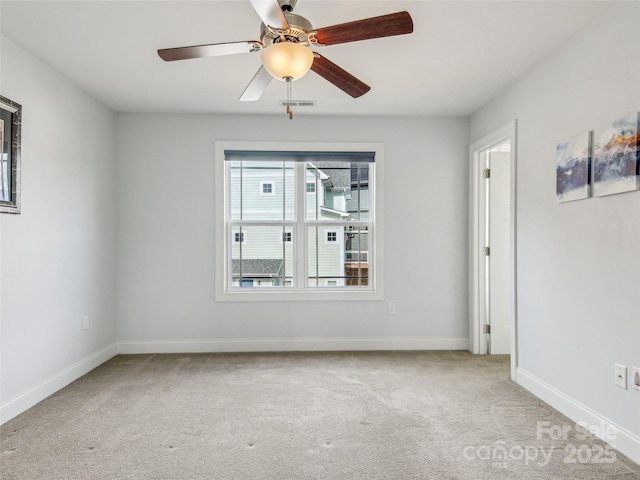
x: 573, y: 168
x: 616, y: 156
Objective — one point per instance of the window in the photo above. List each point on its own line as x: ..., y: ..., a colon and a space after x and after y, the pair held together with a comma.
x: 358, y: 175
x: 266, y: 188
x: 309, y: 232
x: 331, y: 236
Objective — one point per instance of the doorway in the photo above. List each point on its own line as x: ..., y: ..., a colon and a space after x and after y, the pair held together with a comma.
x: 493, y: 326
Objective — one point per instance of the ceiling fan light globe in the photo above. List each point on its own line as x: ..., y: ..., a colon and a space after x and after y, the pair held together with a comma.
x: 287, y: 60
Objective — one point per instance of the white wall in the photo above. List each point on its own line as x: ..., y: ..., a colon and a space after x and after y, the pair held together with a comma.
x: 578, y: 263
x: 166, y: 241
x: 58, y: 255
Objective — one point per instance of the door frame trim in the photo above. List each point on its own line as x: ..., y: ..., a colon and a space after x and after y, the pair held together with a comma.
x: 476, y: 283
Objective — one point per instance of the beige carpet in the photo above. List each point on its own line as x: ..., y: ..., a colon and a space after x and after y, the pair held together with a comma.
x: 384, y: 415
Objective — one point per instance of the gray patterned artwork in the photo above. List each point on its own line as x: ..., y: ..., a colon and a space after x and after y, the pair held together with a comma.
x: 616, y: 156
x: 573, y: 172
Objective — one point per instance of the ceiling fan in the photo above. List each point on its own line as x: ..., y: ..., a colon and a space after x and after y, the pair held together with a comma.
x: 284, y: 44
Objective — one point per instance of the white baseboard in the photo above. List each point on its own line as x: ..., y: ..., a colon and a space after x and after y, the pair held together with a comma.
x: 39, y: 392
x: 625, y: 441
x: 292, y: 345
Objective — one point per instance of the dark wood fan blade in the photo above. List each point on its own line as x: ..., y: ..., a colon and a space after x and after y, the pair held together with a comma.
x: 213, y: 50
x: 376, y: 27
x: 257, y: 86
x: 270, y: 13
x: 339, y: 77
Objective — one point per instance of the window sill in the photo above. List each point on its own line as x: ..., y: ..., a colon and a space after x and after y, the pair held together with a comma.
x: 278, y: 295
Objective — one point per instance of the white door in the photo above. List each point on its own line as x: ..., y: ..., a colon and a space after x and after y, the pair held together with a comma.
x: 498, y: 217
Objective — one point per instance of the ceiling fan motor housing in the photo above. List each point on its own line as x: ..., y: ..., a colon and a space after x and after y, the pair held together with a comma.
x: 298, y: 31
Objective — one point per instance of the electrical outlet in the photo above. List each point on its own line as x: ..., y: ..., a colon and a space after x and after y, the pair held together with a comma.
x: 392, y: 309
x: 621, y: 376
x: 635, y: 379
x: 85, y: 324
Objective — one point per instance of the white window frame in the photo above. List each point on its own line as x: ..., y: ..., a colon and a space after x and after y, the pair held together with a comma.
x: 375, y: 289
x: 310, y: 192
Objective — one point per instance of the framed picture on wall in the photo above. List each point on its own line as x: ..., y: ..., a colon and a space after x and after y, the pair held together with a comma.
x: 616, y: 156
x: 10, y: 136
x: 573, y: 168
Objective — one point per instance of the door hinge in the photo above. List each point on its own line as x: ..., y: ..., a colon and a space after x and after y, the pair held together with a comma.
x: 486, y: 173
x: 486, y: 328
x: 487, y: 251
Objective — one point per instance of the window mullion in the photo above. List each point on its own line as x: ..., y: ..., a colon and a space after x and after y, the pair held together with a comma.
x: 300, y: 240
x: 228, y: 244
x: 316, y: 176
x: 284, y: 217
x: 241, y: 218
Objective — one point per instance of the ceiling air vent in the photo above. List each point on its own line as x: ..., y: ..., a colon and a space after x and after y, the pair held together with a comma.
x: 298, y: 103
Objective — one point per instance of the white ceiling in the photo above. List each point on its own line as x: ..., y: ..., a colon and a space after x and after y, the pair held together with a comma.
x: 461, y: 54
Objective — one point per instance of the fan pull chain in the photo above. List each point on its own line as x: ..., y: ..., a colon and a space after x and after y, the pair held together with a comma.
x: 289, y: 110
